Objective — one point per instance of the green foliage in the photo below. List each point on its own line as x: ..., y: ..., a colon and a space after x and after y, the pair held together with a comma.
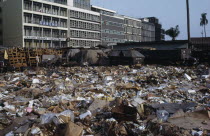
x: 173, y: 32
x: 204, y: 21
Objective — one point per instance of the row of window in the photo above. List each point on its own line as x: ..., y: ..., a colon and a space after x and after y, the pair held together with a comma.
x: 133, y: 30
x: 83, y: 43
x: 64, y: 2
x: 84, y: 4
x: 45, y: 20
x: 134, y: 38
x: 84, y: 34
x: 84, y: 16
x: 148, y: 39
x: 112, y: 23
x: 138, y: 38
x: 84, y: 25
x: 45, y: 8
x: 107, y: 39
x: 133, y: 22
x: 148, y: 34
x: 44, y: 32
x: 43, y: 44
x: 113, y: 32
x: 149, y: 27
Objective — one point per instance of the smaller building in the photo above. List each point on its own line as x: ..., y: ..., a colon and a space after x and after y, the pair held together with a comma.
x: 200, y: 43
x: 112, y: 26
x: 137, y: 30
x: 159, y: 31
x: 125, y: 57
x: 133, y: 29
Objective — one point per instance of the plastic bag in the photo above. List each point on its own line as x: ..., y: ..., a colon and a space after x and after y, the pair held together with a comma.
x: 10, y: 134
x: 162, y: 115
x: 67, y: 113
x: 84, y: 115
x: 52, y: 117
x: 47, y: 118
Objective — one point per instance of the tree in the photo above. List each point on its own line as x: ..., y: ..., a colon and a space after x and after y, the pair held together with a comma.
x: 204, y: 22
x: 173, y: 32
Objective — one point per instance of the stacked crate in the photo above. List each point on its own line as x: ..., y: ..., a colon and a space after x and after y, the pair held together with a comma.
x: 32, y: 56
x: 17, y: 57
x: 22, y: 57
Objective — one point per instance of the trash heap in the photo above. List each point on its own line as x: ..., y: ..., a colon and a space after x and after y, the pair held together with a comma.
x: 106, y: 101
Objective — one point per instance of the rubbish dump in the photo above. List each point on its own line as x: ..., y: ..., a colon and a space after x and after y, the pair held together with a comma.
x: 105, y: 101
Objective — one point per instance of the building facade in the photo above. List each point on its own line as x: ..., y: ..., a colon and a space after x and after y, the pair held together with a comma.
x: 159, y: 31
x: 84, y: 28
x: 112, y: 26
x: 132, y: 29
x: 35, y: 23
x: 67, y: 23
x: 148, y: 31
x: 49, y: 24
x: 137, y: 30
x: 1, y: 25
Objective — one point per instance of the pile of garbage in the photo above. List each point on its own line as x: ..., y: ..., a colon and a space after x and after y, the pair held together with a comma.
x: 106, y: 101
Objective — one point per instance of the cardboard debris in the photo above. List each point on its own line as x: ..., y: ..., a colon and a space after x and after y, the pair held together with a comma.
x: 117, y: 100
x: 73, y: 130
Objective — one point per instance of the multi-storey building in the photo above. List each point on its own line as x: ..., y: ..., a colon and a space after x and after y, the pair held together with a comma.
x: 1, y: 24
x: 132, y: 29
x: 112, y: 26
x: 159, y: 32
x: 67, y: 23
x: 148, y: 31
x: 85, y: 25
x: 35, y: 23
x: 137, y: 30
x: 50, y: 23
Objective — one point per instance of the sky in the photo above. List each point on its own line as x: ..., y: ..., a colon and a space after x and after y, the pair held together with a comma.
x: 169, y: 12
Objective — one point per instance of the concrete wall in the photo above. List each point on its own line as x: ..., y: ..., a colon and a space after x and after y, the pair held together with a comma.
x: 13, y: 23
x: 70, y: 3
x: 1, y: 25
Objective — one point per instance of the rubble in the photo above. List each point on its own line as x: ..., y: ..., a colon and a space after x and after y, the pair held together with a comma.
x: 111, y: 101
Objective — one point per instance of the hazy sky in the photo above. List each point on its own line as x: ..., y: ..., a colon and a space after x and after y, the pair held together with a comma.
x: 170, y: 12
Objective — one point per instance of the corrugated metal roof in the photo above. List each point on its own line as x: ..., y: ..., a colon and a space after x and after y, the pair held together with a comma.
x: 126, y: 53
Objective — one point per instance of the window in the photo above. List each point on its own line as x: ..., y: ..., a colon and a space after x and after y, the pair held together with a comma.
x: 47, y: 9
x: 27, y: 18
x: 55, y: 22
x: 37, y: 19
x: 47, y: 21
x: 55, y: 10
x: 37, y: 31
x: 64, y: 34
x: 27, y: 5
x: 37, y: 7
x: 55, y: 33
x: 28, y: 31
x: 63, y: 12
x: 47, y: 33
x: 63, y: 23
x: 28, y: 43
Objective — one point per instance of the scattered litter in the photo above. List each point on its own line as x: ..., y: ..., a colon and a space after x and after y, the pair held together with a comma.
x: 117, y: 100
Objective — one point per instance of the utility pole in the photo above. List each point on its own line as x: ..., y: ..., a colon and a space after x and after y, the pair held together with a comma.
x: 188, y: 20
x: 202, y: 37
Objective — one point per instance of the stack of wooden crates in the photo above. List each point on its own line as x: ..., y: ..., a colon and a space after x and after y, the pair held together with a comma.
x: 22, y: 57
x: 17, y: 57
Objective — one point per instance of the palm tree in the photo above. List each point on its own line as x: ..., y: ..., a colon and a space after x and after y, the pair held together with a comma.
x: 204, y: 22
x: 173, y: 32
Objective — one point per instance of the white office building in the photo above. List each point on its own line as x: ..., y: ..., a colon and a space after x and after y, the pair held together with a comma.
x: 49, y: 23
